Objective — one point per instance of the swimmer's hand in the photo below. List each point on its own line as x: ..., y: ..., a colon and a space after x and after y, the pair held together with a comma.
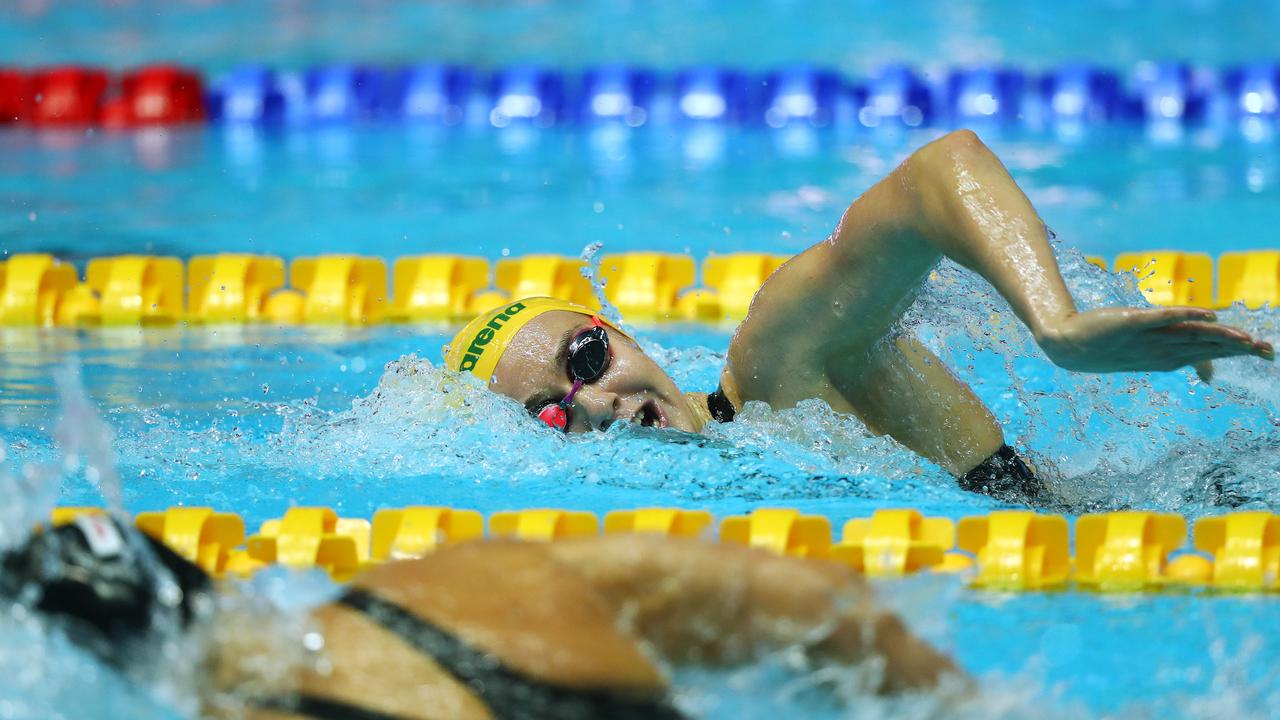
x: 1145, y: 339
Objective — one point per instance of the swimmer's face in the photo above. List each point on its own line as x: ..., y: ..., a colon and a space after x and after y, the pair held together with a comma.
x: 632, y: 389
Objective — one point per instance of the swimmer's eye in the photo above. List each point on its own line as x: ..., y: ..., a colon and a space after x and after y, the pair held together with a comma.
x: 540, y: 402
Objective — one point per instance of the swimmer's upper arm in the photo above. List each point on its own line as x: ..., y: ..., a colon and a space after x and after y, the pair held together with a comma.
x: 845, y: 293
x: 698, y: 601
x: 836, y: 300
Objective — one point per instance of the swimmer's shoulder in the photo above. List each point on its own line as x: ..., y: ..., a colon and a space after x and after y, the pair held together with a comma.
x: 698, y: 407
x: 726, y: 400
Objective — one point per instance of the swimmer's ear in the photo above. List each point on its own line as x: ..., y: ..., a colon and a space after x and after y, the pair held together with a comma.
x: 1204, y: 370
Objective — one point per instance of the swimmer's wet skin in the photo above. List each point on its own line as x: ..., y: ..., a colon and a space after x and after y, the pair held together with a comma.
x: 826, y: 325
x: 477, y: 630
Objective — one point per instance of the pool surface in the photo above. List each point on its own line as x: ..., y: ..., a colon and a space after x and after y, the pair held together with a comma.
x: 397, y: 190
x: 855, y: 36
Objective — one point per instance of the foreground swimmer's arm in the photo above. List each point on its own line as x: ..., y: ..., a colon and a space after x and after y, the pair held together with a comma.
x: 699, y: 602
x: 824, y: 324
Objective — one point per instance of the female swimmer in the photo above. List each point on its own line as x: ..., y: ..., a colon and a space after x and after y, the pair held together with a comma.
x: 567, y: 630
x: 825, y: 325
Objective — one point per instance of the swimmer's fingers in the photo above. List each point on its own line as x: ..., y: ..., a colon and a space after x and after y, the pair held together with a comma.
x: 1220, y: 340
x: 1166, y: 316
x: 1182, y: 355
x: 1138, y: 339
x: 1187, y: 328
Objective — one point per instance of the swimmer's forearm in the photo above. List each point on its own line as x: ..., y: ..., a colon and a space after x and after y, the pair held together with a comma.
x: 971, y: 210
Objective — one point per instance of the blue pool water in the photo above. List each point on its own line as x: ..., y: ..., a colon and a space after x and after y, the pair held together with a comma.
x: 854, y: 36
x: 257, y: 419
x: 400, y: 190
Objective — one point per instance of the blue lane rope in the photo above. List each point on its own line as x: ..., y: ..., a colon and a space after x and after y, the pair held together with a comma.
x: 1156, y: 93
x: 895, y: 95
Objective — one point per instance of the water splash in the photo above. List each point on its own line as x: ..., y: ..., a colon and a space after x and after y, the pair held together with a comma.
x: 1163, y: 441
x: 84, y: 437
x: 83, y: 448
x: 53, y: 677
x: 788, y: 683
x: 591, y: 256
x: 32, y: 492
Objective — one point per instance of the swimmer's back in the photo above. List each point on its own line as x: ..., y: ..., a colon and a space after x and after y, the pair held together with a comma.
x: 505, y: 608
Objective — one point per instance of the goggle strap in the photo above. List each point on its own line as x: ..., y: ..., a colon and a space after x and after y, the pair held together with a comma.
x: 557, y: 416
x: 568, y: 399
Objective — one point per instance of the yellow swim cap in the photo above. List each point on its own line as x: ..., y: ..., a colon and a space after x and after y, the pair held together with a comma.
x: 479, y: 346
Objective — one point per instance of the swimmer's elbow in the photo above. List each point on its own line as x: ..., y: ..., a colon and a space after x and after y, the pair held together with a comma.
x: 964, y: 139
x: 936, y: 175
x: 944, y: 156
x: 962, y: 143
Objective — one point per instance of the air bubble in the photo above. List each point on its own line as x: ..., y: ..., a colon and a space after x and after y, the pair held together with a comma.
x: 313, y: 641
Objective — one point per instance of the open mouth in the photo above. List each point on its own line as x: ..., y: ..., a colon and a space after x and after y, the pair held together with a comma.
x: 649, y: 415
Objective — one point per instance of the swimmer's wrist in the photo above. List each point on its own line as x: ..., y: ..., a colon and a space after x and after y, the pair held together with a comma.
x: 1051, y: 334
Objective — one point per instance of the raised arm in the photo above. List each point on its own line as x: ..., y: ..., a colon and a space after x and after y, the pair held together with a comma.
x: 971, y: 211
x: 818, y: 327
x: 695, y: 601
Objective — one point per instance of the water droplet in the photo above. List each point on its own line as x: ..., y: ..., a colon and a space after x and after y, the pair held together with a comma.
x: 313, y: 641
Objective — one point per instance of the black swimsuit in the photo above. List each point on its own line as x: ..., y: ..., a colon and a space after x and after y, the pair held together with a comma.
x: 720, y: 407
x: 1005, y: 476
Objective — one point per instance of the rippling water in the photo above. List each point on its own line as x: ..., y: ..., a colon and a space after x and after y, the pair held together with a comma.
x: 854, y: 36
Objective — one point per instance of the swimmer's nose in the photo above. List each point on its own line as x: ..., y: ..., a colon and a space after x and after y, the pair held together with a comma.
x: 597, y: 406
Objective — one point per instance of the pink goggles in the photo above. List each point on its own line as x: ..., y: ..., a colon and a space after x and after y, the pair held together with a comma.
x: 586, y: 361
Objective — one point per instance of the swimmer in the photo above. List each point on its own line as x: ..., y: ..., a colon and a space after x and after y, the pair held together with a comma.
x: 490, y: 629
x: 826, y: 325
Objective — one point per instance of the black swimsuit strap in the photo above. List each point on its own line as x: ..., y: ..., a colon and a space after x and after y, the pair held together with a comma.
x: 509, y: 695
x: 322, y: 708
x: 1004, y: 476
x: 721, y: 409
